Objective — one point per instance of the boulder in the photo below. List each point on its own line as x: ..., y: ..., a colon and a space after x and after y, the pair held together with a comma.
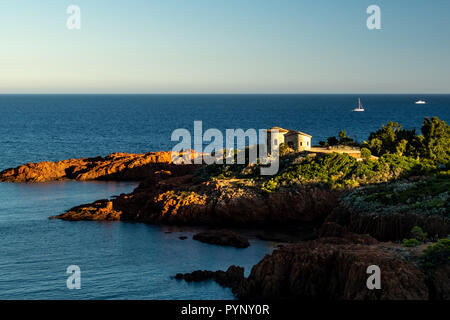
x: 223, y: 238
x: 230, y: 278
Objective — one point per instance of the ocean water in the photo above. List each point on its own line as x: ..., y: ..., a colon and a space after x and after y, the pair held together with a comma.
x: 129, y: 260
x: 41, y: 127
x: 117, y: 260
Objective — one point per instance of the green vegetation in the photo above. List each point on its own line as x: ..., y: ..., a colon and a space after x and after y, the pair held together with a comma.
x: 428, y: 195
x: 436, y: 254
x: 285, y: 150
x: 341, y: 140
x: 419, y: 234
x: 436, y: 140
x: 340, y: 171
x: 419, y: 237
x: 433, y: 144
x: 391, y: 139
x: 365, y: 153
x: 411, y: 243
x: 226, y: 171
x: 431, y: 195
x: 337, y: 171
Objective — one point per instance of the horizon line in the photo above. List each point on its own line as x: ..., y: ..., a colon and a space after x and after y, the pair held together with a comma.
x: 224, y: 93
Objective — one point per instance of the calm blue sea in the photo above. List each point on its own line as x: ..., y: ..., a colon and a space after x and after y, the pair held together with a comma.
x: 136, y: 261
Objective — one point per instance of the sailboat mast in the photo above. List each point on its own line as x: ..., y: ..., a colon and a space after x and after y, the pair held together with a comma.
x: 360, y: 106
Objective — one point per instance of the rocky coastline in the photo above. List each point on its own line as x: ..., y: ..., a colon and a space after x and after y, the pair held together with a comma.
x: 333, y: 267
x: 329, y: 263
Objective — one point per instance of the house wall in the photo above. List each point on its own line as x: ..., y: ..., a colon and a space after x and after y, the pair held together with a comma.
x: 298, y: 142
x: 305, y: 142
x: 292, y: 141
x: 274, y: 139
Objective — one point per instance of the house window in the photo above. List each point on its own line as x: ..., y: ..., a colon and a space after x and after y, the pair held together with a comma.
x: 301, y: 143
x: 275, y: 141
x: 307, y: 143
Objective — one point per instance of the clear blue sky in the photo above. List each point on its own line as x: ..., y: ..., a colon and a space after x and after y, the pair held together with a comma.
x: 224, y: 46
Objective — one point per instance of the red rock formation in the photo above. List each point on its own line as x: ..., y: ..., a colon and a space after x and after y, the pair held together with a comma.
x: 332, y: 268
x: 117, y: 166
x: 179, y: 200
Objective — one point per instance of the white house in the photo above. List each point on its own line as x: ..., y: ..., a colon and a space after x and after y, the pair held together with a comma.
x: 294, y: 139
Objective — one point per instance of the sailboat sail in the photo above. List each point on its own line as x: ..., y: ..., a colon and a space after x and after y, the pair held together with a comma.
x: 360, y: 107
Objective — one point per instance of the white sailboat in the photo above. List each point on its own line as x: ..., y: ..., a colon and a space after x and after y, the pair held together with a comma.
x: 360, y: 107
x: 421, y: 102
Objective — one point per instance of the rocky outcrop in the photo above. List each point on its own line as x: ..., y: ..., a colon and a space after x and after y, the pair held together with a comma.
x: 173, y: 199
x: 389, y: 227
x: 222, y: 238
x: 117, y: 167
x: 333, y: 268
x: 230, y: 278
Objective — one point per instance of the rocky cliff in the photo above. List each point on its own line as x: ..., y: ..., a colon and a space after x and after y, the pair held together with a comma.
x: 171, y: 199
x: 333, y: 268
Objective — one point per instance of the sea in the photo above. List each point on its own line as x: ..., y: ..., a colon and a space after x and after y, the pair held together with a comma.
x: 125, y: 260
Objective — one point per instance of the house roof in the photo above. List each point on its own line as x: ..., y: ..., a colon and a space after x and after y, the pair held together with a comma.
x: 292, y: 132
x: 278, y: 129
x: 289, y: 132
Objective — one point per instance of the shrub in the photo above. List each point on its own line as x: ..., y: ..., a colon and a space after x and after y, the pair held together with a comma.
x: 270, y: 186
x: 365, y: 153
x: 408, y: 166
x: 332, y: 141
x: 387, y: 139
x: 411, y: 242
x: 418, y: 234
x: 285, y: 149
x: 436, y: 254
x: 436, y: 140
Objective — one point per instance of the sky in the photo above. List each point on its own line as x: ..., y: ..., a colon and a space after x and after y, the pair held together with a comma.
x: 224, y: 46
